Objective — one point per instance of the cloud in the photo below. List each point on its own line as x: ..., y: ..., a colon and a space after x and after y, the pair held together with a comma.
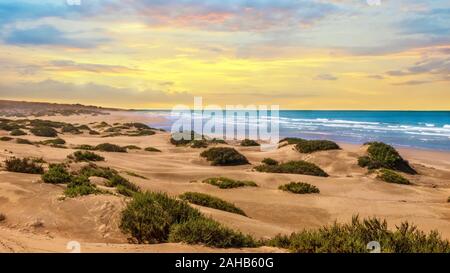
x: 52, y: 90
x: 68, y: 65
x: 49, y: 35
x: 413, y: 82
x: 439, y: 67
x: 376, y: 77
x: 325, y: 77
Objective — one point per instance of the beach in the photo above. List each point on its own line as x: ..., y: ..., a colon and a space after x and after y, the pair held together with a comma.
x: 38, y: 220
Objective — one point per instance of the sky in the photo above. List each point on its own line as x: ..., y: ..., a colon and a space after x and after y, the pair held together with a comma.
x: 298, y: 54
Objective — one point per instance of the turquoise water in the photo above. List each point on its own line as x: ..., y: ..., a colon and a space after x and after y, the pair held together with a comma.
x: 416, y: 129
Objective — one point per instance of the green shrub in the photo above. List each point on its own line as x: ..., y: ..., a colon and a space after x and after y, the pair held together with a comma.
x: 249, y: 142
x: 299, y: 188
x: 125, y: 191
x: 17, y: 132
x: 24, y: 165
x: 209, y: 201
x: 108, y: 147
x: 270, y: 161
x: 210, y: 233
x: 56, y: 141
x: 24, y: 141
x: 143, y: 132
x: 117, y: 180
x: 69, y: 128
x: 185, y: 138
x: 198, y: 144
x: 94, y: 170
x: 310, y: 146
x: 381, y: 155
x: 149, y: 216
x: 151, y: 149
x: 5, y: 138
x: 9, y: 126
x: 57, y: 174
x: 80, y: 186
x: 46, y: 123
x: 292, y: 140
x: 392, y: 177
x: 295, y: 167
x: 224, y: 156
x: 94, y: 133
x: 353, y: 238
x: 86, y: 156
x: 43, y: 131
x: 85, y: 147
x: 228, y: 183
x: 84, y: 127
x: 217, y: 141
x: 132, y: 147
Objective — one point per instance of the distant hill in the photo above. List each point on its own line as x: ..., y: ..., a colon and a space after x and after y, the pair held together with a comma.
x: 37, y: 109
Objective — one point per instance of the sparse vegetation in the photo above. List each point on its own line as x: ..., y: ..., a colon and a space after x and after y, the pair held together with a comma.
x: 270, y: 161
x: 185, y: 138
x: 151, y: 149
x: 94, y: 170
x: 144, y: 132
x: 292, y: 140
x: 228, y: 183
x: 94, y: 133
x: 353, y: 238
x: 295, y: 167
x: 381, y: 155
x: 224, y: 156
x: 157, y: 218
x: 24, y: 141
x: 17, y: 132
x: 43, y: 131
x: 86, y: 156
x: 85, y: 147
x: 209, y: 201
x: 210, y: 233
x: 310, y: 146
x: 117, y: 180
x: 249, y: 142
x: 299, y: 188
x: 198, y: 144
x: 57, y: 174
x: 108, y: 147
x: 136, y: 175
x: 5, y: 138
x: 390, y: 176
x: 56, y: 141
x: 80, y: 186
x: 24, y: 165
x: 71, y: 129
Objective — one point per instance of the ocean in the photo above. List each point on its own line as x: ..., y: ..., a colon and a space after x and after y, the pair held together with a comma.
x: 413, y: 129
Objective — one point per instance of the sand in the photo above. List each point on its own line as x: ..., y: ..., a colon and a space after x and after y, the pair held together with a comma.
x: 38, y: 221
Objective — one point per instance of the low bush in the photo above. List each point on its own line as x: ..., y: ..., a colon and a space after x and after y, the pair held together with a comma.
x: 381, y: 155
x: 228, y: 183
x: 149, y: 216
x: 209, y: 201
x: 185, y: 138
x: 85, y: 147
x: 46, y: 123
x: 224, y: 156
x: 270, y: 161
x: 69, y: 128
x: 24, y: 165
x: 144, y: 132
x: 310, y: 146
x: 17, y: 132
x: 24, y: 141
x: 151, y: 149
x: 249, y: 142
x: 5, y: 138
x: 80, y: 186
x: 117, y: 180
x: 198, y: 144
x: 157, y: 218
x: 392, y: 177
x: 94, y: 133
x: 108, y: 147
x: 2, y: 217
x: 86, y: 156
x: 210, y: 233
x: 292, y: 140
x: 56, y: 141
x: 295, y: 167
x: 125, y: 191
x: 84, y: 127
x: 299, y: 188
x: 43, y: 131
x: 353, y: 238
x: 57, y: 174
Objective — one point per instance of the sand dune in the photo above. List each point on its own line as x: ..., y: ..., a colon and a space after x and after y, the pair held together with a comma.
x: 38, y: 221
